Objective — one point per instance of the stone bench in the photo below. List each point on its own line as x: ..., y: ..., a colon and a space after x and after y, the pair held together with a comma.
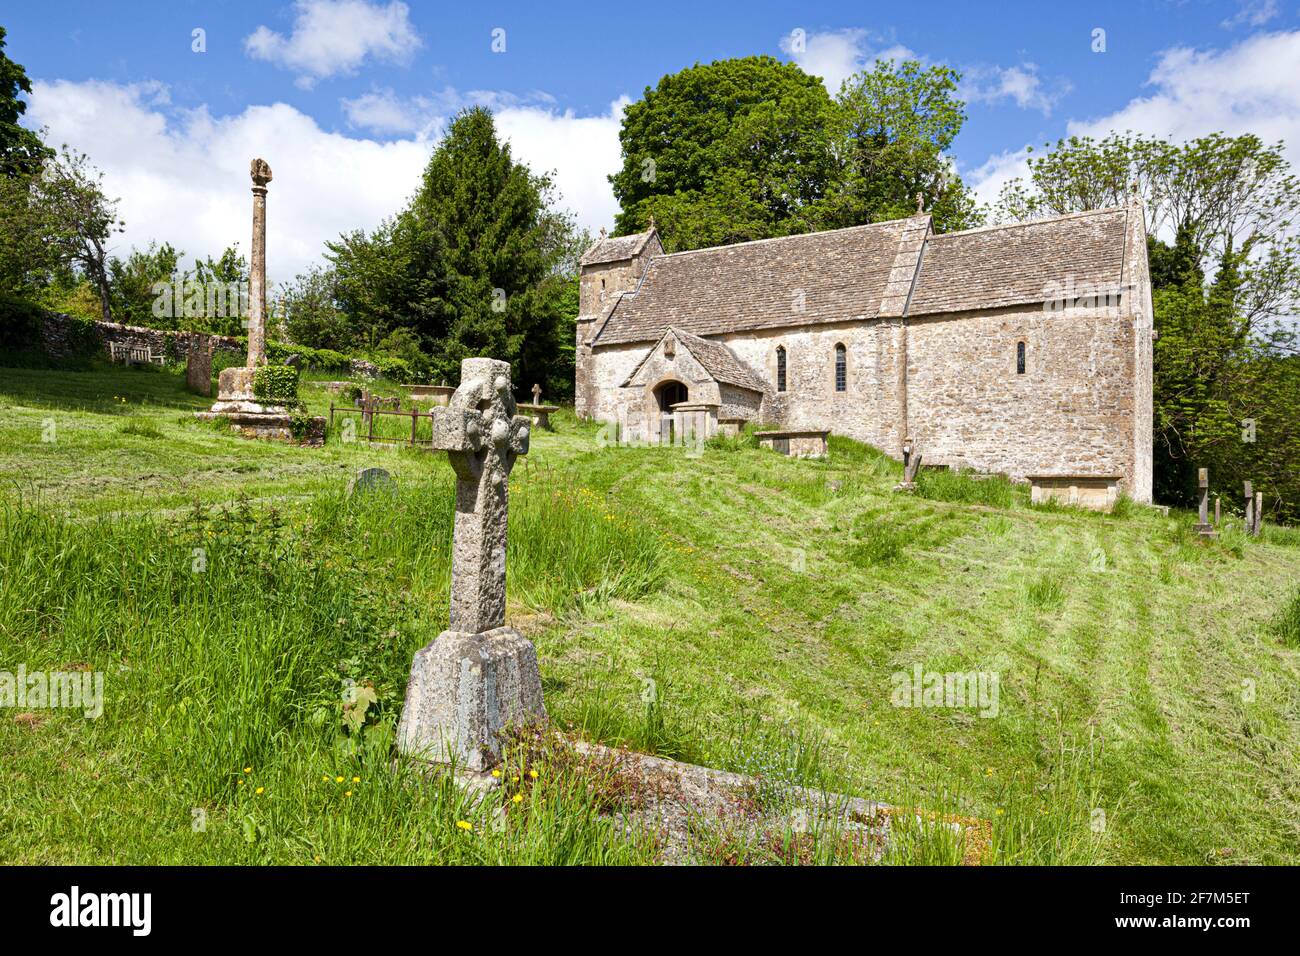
x: 439, y: 394
x: 796, y: 444
x: 540, y: 414
x: 1098, y: 492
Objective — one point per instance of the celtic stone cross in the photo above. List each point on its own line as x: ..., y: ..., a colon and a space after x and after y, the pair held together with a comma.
x: 482, y: 435
x: 479, y: 676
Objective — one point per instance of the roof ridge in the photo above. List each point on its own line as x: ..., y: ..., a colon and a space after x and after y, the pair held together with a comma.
x: 1028, y: 222
x: 797, y: 235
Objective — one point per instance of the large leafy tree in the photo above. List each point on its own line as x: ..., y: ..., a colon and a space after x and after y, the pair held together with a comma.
x: 726, y: 152
x: 21, y: 150
x: 1225, y: 269
x: 896, y: 124
x: 471, y: 266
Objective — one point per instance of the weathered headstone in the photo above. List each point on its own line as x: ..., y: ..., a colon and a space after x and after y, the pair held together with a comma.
x: 1203, y: 527
x: 478, y: 677
x: 1217, y: 516
x: 1250, y: 508
x: 537, y: 394
x: 371, y: 480
x: 911, y: 464
x: 1259, y: 512
x: 198, y: 365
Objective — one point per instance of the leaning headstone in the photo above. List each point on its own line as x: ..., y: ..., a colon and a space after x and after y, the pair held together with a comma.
x: 369, y: 480
x: 1204, y: 528
x: 478, y: 677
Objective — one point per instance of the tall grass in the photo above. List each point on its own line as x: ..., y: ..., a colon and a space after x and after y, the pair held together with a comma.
x: 226, y: 640
x: 963, y: 487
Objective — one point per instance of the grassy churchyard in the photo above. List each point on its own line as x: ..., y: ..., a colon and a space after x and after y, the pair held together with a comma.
x: 736, y: 609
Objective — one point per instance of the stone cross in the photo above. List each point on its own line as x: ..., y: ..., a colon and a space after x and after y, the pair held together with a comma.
x: 479, y: 676
x: 1204, y: 527
x: 482, y: 435
x: 260, y: 172
x: 537, y: 394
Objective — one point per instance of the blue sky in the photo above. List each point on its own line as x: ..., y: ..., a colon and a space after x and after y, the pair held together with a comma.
x: 345, y: 98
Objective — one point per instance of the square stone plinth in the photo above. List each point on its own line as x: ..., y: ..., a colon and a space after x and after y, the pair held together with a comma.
x: 464, y: 690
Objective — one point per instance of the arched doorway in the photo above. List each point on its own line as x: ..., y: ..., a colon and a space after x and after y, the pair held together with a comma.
x: 668, y: 394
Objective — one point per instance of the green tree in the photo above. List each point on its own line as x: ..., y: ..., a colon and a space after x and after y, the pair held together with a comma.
x: 311, y: 312
x: 21, y: 150
x: 896, y: 125
x: 499, y: 242
x: 726, y: 152
x: 71, y: 215
x: 131, y: 282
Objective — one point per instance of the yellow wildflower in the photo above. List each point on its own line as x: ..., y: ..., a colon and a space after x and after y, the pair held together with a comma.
x: 260, y: 790
x: 464, y: 825
x: 518, y: 798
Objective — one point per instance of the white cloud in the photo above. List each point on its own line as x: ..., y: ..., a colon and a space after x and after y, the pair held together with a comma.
x: 1247, y: 88
x: 336, y: 36
x: 1020, y: 84
x: 383, y: 111
x: 1253, y: 13
x: 835, y: 55
x: 182, y: 175
x: 987, y: 179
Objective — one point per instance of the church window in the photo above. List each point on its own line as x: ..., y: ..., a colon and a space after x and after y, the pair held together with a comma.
x: 780, y: 368
x: 1020, y: 358
x: 841, y: 368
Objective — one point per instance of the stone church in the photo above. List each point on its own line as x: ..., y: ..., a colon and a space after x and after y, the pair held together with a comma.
x: 1021, y: 349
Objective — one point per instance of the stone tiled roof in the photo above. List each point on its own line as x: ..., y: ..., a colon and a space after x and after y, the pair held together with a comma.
x: 755, y: 285
x: 719, y: 361
x: 613, y: 250
x: 1026, y: 262
x: 847, y: 274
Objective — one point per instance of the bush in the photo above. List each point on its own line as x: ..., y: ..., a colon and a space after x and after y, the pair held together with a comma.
x: 276, y: 384
x: 20, y: 324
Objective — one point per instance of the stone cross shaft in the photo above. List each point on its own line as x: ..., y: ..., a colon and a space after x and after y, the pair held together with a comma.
x: 482, y: 436
x: 260, y: 172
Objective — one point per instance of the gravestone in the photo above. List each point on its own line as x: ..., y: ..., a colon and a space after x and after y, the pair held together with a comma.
x: 198, y: 365
x: 1250, y: 508
x: 1203, y: 527
x: 537, y: 394
x: 911, y: 464
x: 479, y: 676
x: 370, y: 480
x: 1259, y: 512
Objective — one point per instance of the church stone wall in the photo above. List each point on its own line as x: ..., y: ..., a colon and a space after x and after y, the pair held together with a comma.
x: 1071, y: 412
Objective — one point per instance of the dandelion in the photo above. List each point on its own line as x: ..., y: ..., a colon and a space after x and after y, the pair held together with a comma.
x: 248, y: 770
x: 325, y: 777
x: 356, y: 779
x: 260, y: 790
x: 338, y: 779
x: 347, y: 793
x: 464, y: 825
x: 533, y: 774
x: 518, y: 798
x: 496, y: 773
x: 999, y: 811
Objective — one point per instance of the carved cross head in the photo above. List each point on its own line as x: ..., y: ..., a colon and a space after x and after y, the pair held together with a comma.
x: 260, y: 170
x: 479, y: 428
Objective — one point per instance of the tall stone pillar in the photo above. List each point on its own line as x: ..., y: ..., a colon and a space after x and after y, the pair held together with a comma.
x: 261, y: 174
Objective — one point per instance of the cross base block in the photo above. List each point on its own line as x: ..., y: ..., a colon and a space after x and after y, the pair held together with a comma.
x: 464, y: 691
